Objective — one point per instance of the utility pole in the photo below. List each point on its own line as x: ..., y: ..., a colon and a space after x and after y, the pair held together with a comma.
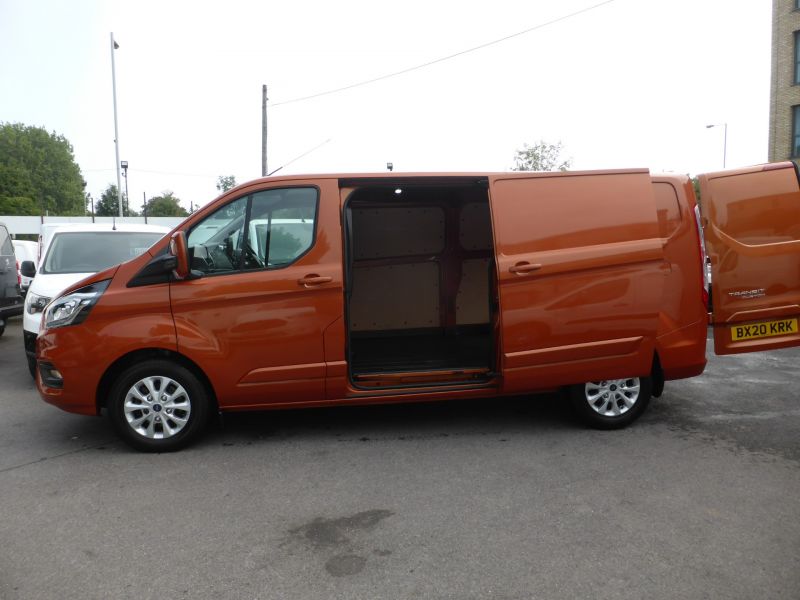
x: 114, y: 46
x: 264, y: 130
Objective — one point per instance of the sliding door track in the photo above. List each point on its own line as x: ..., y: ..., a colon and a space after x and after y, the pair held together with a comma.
x: 427, y: 378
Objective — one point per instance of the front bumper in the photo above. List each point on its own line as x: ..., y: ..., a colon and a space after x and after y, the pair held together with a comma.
x: 74, y: 357
x: 11, y: 307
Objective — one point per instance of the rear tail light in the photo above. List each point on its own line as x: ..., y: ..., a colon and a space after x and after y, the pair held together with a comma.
x: 704, y: 283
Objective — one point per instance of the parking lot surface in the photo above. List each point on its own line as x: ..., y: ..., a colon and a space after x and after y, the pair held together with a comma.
x: 482, y: 499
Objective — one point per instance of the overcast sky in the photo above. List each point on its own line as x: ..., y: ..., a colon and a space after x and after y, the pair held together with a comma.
x: 628, y: 83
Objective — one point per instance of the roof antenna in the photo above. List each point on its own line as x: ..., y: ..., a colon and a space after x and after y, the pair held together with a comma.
x: 299, y: 157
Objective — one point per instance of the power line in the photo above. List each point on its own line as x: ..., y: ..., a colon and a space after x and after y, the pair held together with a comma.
x: 444, y: 58
x: 178, y: 174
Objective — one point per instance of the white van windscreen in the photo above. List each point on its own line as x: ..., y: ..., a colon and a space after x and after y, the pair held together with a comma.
x: 6, y: 249
x: 93, y: 251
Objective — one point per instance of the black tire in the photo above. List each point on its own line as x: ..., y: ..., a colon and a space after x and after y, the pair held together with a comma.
x: 611, y: 404
x: 31, y: 366
x: 168, y: 422
x: 2, y: 330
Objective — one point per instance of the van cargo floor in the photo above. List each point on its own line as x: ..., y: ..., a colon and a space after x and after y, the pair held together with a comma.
x: 420, y: 352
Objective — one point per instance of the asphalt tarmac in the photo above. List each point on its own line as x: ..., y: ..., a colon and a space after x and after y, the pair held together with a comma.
x: 497, y: 499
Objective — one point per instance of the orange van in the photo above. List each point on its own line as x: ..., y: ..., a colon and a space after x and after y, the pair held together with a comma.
x: 302, y: 291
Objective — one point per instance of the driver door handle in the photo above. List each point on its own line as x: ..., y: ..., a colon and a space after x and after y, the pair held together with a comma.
x: 314, y: 280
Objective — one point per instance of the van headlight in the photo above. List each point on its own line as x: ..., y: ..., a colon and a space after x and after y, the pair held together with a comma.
x: 73, y: 308
x: 34, y: 303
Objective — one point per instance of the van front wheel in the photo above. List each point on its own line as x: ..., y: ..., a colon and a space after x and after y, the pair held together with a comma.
x: 158, y: 406
x: 611, y: 403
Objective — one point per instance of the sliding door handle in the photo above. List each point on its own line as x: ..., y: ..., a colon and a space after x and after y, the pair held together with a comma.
x: 524, y: 267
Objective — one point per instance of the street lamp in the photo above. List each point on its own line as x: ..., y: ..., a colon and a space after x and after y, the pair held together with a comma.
x: 124, y: 165
x: 724, y: 143
x: 114, y: 46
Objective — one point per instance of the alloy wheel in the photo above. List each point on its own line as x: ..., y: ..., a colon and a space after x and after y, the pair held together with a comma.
x: 613, y: 397
x: 157, y: 407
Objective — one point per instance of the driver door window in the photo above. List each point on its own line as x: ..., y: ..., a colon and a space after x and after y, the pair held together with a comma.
x: 266, y: 230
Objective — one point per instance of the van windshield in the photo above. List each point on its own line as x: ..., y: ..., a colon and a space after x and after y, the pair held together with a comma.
x: 93, y: 251
x: 5, y: 242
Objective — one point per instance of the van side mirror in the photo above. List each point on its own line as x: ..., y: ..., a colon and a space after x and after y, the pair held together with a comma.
x: 179, y: 249
x: 27, y: 268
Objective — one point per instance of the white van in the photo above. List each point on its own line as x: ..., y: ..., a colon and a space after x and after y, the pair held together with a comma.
x: 25, y: 250
x: 70, y: 253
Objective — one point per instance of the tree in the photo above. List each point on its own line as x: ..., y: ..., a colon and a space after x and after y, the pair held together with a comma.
x: 108, y: 204
x: 18, y: 205
x: 225, y: 183
x: 696, y: 185
x: 165, y: 205
x: 38, y: 172
x: 17, y: 195
x: 541, y: 156
x: 16, y: 192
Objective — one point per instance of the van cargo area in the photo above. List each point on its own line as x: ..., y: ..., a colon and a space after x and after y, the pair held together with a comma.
x: 420, y: 296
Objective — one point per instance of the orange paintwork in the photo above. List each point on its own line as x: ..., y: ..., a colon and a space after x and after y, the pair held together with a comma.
x: 591, y: 311
x: 85, y: 353
x: 753, y: 240
x: 260, y: 338
x: 598, y: 273
x: 681, y: 336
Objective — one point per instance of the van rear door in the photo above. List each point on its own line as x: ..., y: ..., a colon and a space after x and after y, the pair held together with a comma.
x: 580, y: 267
x: 751, y: 221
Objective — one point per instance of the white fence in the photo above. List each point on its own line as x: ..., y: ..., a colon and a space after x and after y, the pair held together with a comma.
x: 32, y: 225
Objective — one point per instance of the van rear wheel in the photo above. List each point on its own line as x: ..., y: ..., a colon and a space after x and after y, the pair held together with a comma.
x: 611, y: 403
x: 158, y: 406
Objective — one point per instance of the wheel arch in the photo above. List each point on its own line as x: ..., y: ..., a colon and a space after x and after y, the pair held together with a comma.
x: 137, y: 356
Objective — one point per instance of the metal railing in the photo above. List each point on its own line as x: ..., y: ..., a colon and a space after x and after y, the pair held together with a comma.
x: 32, y: 225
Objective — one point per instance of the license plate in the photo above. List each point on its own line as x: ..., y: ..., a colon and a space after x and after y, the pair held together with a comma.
x: 765, y: 329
